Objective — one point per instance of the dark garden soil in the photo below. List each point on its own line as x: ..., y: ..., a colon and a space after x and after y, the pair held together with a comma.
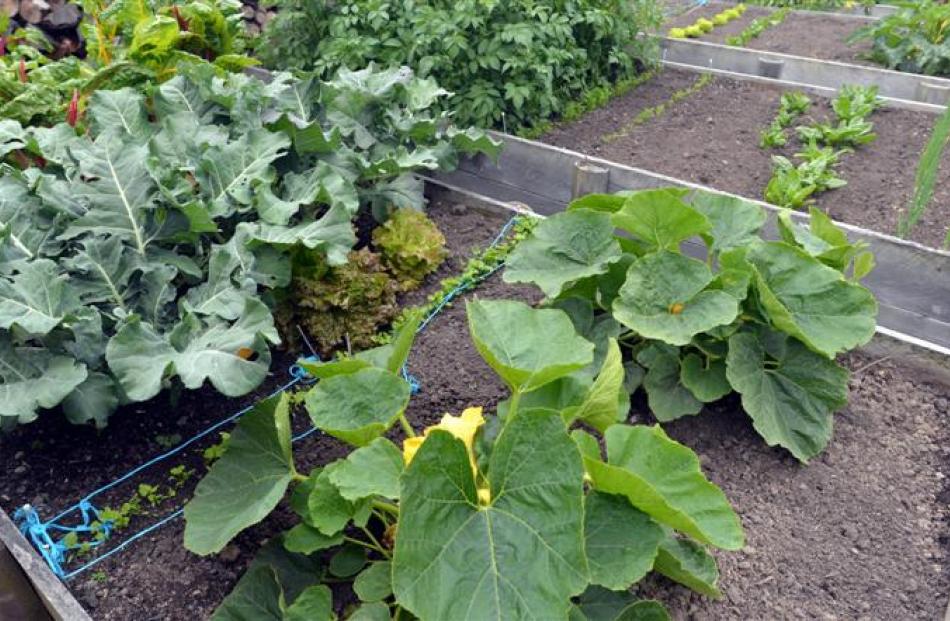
x: 51, y: 464
x: 860, y: 533
x: 712, y: 137
x: 822, y: 36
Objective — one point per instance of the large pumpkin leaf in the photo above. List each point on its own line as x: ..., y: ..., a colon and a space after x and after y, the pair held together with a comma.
x: 811, y: 301
x: 621, y: 541
x: 660, y: 219
x: 706, y: 379
x: 645, y: 610
x: 456, y: 558
x: 375, y: 583
x: 31, y: 379
x: 256, y: 597
x: 790, y: 392
x: 564, y: 248
x: 667, y: 396
x: 245, y: 485
x: 314, y: 604
x: 322, y: 506
x: 688, y: 563
x: 275, y: 579
x: 37, y: 299
x: 515, y: 340
x: 358, y: 407
x: 370, y: 470
x: 735, y: 221
x: 665, y: 298
x: 662, y: 478
x: 600, y: 604
x: 606, y: 402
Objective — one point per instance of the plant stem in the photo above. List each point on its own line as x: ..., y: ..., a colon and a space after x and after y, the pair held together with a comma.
x: 372, y: 538
x: 299, y: 478
x: 513, y: 404
x: 406, y: 427
x: 388, y: 507
x: 366, y: 544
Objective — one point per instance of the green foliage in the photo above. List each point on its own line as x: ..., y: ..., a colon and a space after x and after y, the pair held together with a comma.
x: 128, y: 44
x: 703, y: 25
x: 449, y: 528
x: 793, y: 185
x: 792, y: 105
x: 926, y: 177
x: 757, y: 27
x: 815, y: 5
x: 508, y: 64
x: 591, y: 100
x: 259, y: 463
x: 648, y: 114
x: 764, y: 319
x: 141, y: 250
x: 846, y: 133
x: 479, y: 267
x: 916, y: 38
x: 411, y: 246
x: 342, y: 305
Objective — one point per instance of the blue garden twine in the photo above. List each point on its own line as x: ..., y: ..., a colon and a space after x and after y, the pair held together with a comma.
x: 55, y: 549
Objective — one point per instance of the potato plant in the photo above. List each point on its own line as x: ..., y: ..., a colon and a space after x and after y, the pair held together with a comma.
x: 520, y: 514
x: 508, y: 64
x: 764, y: 319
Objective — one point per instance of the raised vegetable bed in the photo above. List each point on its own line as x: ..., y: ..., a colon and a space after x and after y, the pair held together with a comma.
x: 711, y: 138
x: 802, y: 33
x: 157, y: 573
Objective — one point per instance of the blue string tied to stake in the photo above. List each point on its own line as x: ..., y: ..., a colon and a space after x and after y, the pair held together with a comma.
x: 55, y: 550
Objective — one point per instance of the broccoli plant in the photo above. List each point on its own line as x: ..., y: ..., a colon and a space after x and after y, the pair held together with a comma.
x: 761, y: 318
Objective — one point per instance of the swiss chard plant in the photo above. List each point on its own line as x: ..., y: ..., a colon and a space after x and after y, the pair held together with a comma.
x: 508, y: 64
x: 140, y: 251
x: 764, y: 319
x: 520, y: 514
x: 793, y: 185
x: 128, y: 43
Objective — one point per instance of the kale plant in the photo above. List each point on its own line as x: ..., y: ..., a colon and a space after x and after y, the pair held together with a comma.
x: 140, y: 251
x: 761, y: 318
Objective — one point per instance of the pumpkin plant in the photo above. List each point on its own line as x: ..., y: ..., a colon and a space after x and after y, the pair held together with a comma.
x: 761, y: 318
x: 517, y: 514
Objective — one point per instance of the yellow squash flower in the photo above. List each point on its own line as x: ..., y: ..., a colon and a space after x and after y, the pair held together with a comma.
x: 463, y: 427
